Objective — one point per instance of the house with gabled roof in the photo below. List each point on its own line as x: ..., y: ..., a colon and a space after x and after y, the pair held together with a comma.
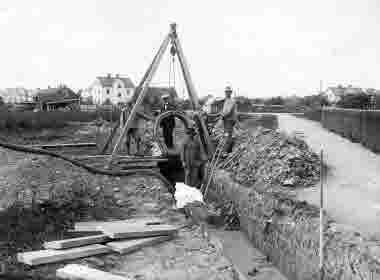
x: 109, y: 90
x: 56, y: 98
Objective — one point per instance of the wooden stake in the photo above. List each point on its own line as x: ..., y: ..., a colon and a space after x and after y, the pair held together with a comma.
x: 321, y: 255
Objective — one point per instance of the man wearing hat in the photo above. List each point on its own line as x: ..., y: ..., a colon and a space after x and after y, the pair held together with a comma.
x: 229, y: 116
x: 191, y: 157
x: 168, y: 123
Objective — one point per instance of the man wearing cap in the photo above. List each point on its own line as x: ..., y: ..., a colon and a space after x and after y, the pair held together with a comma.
x: 191, y: 157
x: 168, y: 123
x: 229, y: 116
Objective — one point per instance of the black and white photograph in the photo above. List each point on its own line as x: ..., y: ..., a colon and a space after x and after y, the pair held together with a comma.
x: 194, y: 140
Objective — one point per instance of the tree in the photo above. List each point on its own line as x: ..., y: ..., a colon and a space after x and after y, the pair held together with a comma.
x: 354, y: 101
x: 1, y: 101
x: 274, y: 101
x: 257, y: 100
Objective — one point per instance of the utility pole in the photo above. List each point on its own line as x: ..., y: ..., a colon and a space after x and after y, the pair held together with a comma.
x: 321, y: 229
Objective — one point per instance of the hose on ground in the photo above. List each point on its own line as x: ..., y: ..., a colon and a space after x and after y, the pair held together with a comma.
x: 91, y: 169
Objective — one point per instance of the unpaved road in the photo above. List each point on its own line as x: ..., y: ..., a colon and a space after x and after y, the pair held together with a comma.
x: 353, y: 181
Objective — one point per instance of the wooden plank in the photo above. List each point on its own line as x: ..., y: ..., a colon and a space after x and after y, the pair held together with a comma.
x: 126, y: 158
x: 50, y: 256
x: 93, y: 225
x: 64, y: 145
x: 127, y: 246
x: 119, y: 231
x: 80, y: 272
x: 76, y: 242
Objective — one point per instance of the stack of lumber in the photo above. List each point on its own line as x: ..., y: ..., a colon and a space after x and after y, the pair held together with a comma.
x: 117, y: 236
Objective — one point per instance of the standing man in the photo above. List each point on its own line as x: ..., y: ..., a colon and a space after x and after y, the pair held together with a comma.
x: 168, y: 123
x: 229, y: 116
x: 191, y: 157
x: 135, y: 134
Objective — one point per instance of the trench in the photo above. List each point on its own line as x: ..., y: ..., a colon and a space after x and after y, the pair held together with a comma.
x: 290, y: 241
x: 294, y: 252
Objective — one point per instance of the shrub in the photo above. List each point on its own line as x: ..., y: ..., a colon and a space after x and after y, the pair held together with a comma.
x: 40, y: 120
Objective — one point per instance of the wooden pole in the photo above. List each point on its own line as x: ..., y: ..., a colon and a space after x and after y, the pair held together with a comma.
x: 321, y: 231
x: 141, y: 95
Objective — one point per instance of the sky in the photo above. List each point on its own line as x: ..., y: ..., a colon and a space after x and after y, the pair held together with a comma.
x: 260, y: 48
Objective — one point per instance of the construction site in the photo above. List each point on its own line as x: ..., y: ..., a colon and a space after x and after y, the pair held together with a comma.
x: 75, y: 204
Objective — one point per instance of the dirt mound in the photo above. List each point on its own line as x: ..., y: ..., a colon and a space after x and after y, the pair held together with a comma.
x: 270, y: 158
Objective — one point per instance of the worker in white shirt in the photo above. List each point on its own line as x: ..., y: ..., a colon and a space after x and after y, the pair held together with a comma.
x: 229, y: 116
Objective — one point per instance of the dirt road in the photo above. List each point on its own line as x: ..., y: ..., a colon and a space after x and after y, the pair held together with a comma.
x: 353, y: 182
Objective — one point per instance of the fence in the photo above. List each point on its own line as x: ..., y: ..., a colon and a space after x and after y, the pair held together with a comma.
x: 357, y: 125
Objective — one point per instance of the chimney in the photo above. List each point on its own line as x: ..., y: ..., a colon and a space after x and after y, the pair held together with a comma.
x: 108, y: 75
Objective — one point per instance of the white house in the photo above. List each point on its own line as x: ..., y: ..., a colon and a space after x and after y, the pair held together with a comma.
x: 109, y: 89
x: 334, y: 94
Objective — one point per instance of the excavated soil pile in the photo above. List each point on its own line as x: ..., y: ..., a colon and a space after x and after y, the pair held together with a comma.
x: 262, y: 180
x: 269, y: 158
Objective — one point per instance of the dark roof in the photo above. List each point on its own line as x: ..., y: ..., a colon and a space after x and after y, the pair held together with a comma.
x: 55, y: 94
x: 108, y: 81
x: 158, y: 92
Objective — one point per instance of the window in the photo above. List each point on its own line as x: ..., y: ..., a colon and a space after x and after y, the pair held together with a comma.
x: 108, y: 91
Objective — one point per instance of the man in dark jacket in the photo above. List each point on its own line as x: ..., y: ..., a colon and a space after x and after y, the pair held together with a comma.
x: 168, y: 123
x: 191, y: 157
x: 134, y: 140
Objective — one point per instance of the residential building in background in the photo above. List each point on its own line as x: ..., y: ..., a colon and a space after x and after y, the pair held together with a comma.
x: 109, y: 90
x: 334, y: 94
x: 56, y: 98
x: 16, y: 95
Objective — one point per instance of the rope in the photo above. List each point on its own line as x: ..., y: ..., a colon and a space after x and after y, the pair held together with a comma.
x: 173, y: 60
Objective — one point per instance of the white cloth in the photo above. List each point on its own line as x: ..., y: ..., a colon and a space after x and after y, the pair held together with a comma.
x: 185, y: 194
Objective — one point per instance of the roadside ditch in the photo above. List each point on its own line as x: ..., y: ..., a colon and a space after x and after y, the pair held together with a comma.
x: 262, y: 183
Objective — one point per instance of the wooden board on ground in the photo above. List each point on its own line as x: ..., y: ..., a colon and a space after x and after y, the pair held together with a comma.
x: 64, y: 145
x: 131, y: 245
x: 80, y: 272
x: 118, y: 231
x: 50, y: 256
x: 93, y: 225
x: 76, y: 242
x: 136, y: 164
